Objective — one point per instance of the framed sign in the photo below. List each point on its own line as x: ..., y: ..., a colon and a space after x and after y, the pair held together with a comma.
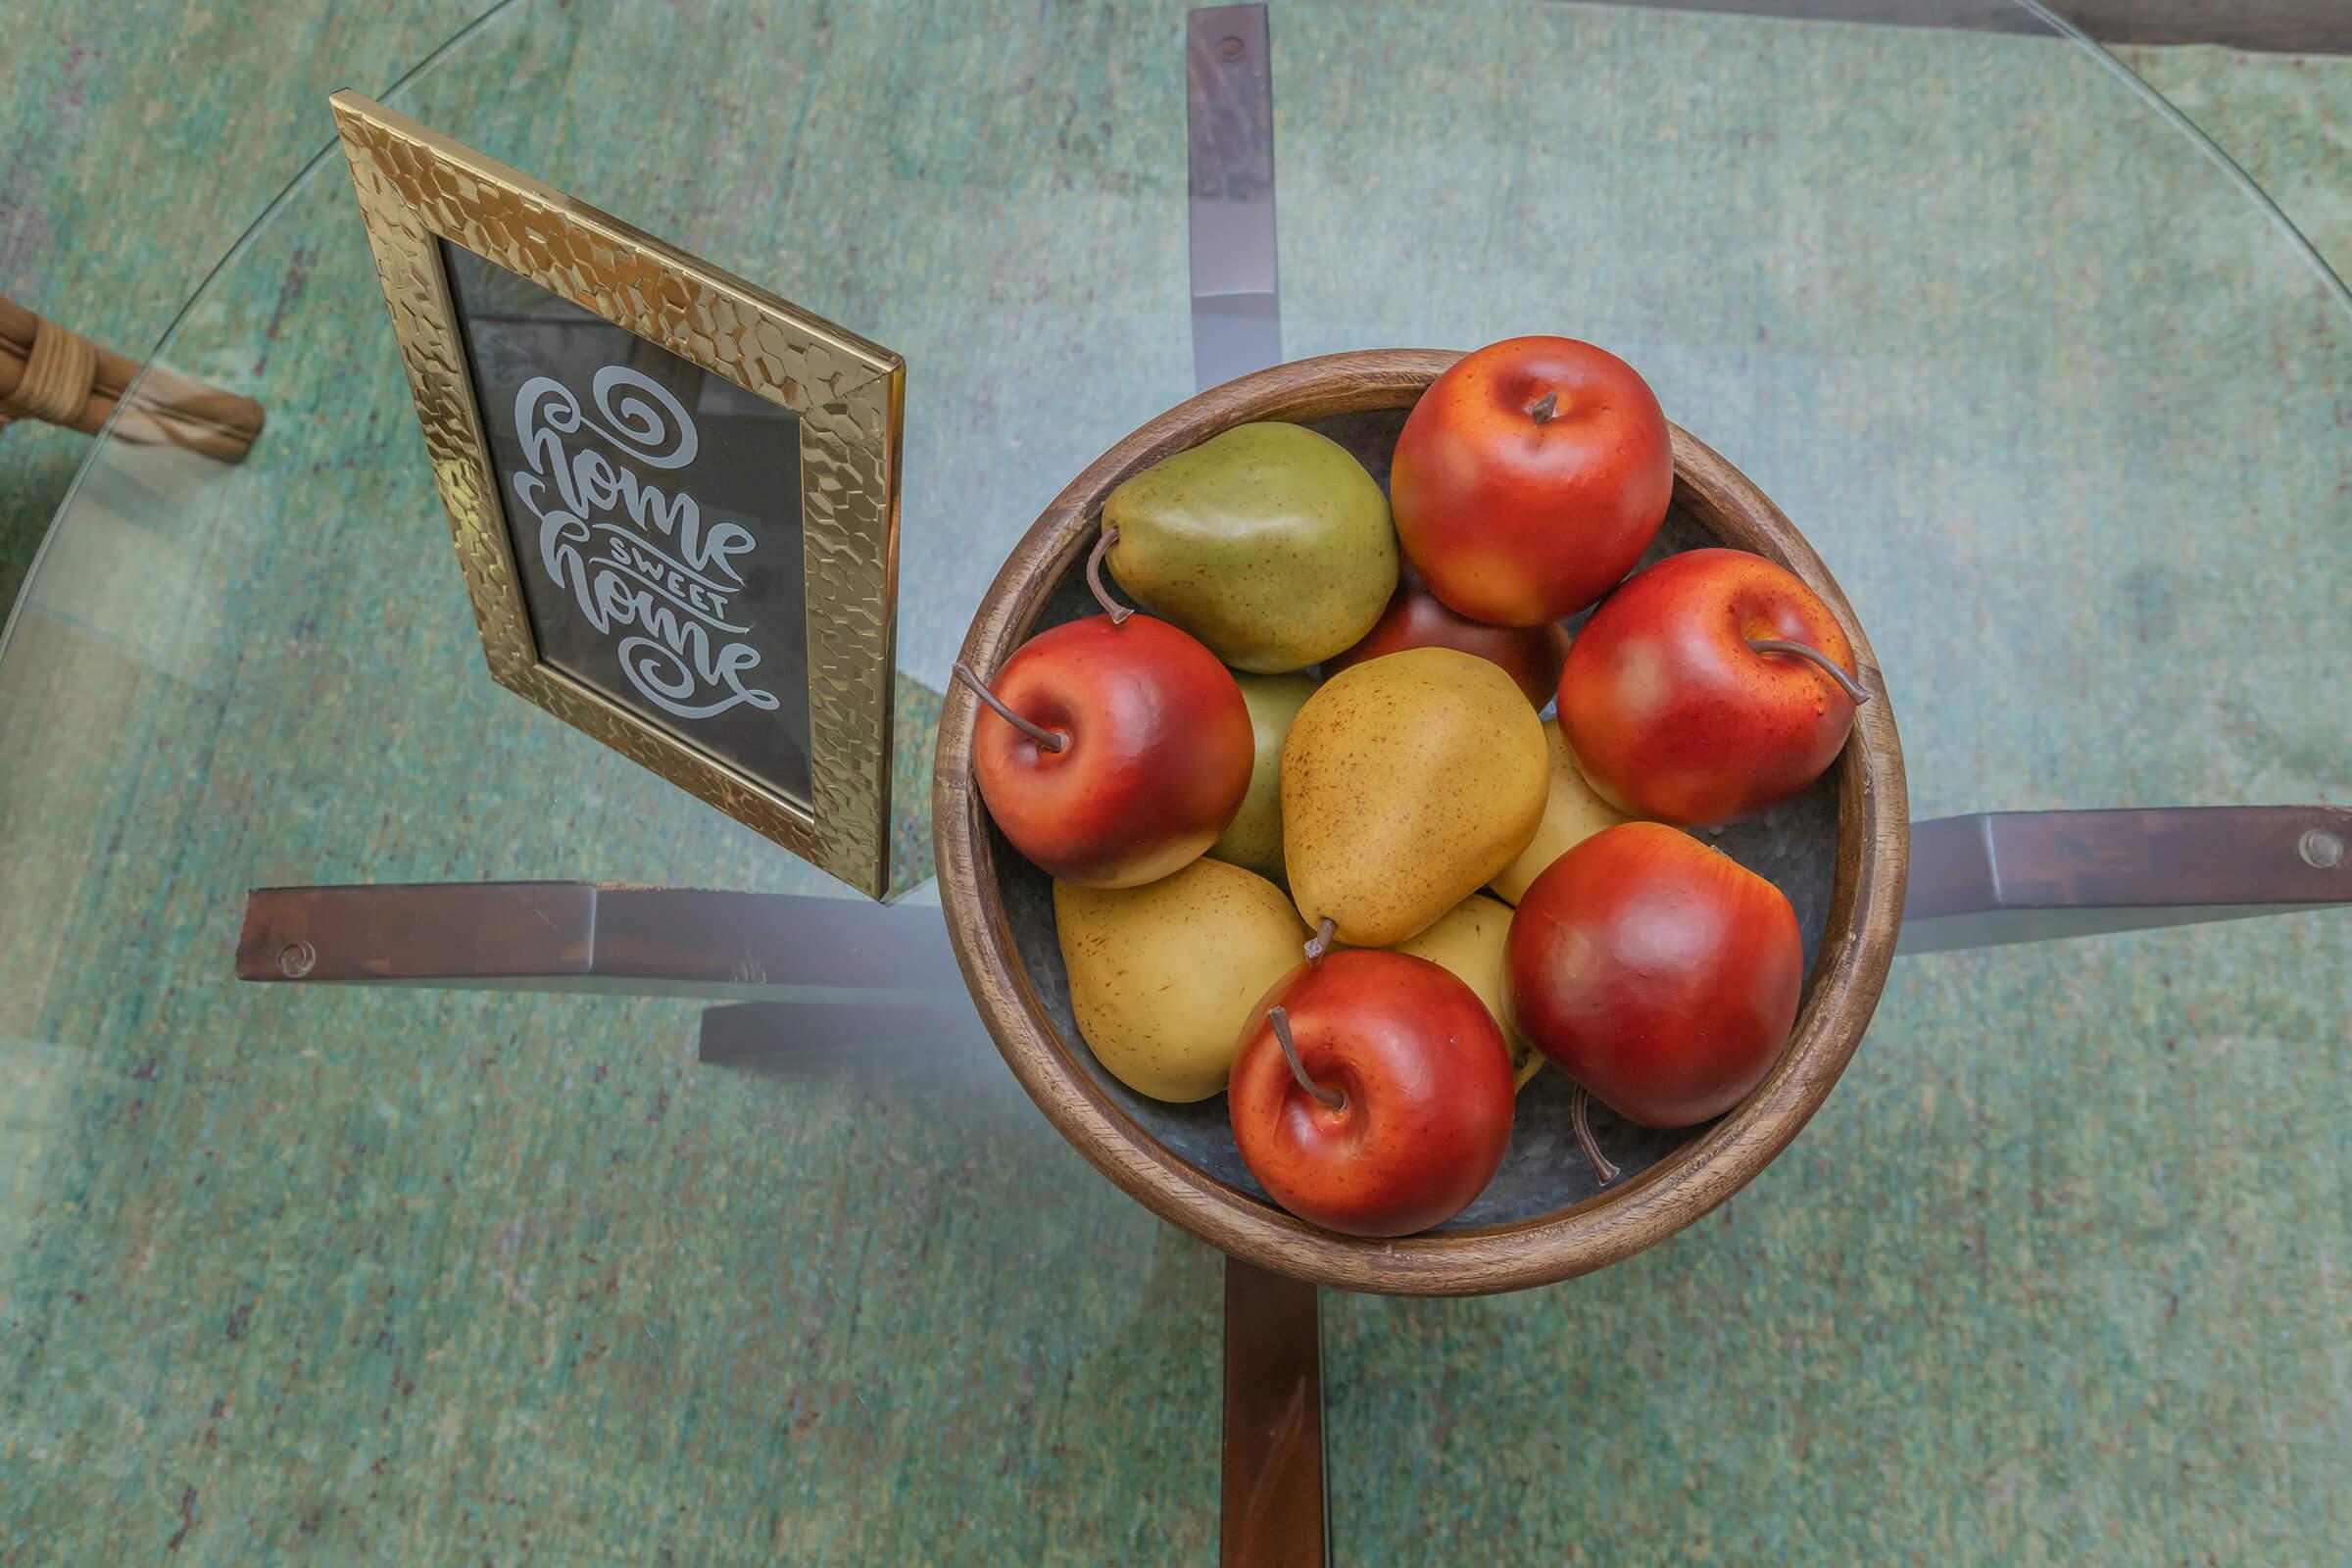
x: 673, y: 495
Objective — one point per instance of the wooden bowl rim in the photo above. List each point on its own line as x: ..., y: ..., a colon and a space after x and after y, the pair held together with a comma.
x: 1850, y: 970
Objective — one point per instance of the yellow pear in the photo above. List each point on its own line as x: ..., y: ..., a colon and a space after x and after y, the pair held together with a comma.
x: 1163, y: 975
x: 1408, y: 782
x: 1467, y: 942
x: 1254, y: 838
x: 1572, y: 813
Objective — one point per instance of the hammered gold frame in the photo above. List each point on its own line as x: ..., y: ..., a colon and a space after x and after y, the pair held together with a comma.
x: 414, y: 186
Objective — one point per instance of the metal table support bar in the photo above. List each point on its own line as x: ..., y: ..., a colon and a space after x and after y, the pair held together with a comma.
x: 1975, y: 881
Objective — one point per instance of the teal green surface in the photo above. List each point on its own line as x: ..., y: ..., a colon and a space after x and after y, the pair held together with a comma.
x: 138, y: 139
x: 2056, y: 1276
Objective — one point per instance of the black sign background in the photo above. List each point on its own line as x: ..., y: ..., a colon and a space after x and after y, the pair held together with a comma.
x: 702, y: 624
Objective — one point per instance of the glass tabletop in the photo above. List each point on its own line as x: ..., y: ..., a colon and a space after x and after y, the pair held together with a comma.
x: 404, y: 1276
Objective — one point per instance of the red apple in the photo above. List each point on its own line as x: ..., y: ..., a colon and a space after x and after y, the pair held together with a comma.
x: 1530, y: 477
x: 1398, y: 1110
x: 1661, y: 974
x: 1418, y: 618
x: 1678, y: 715
x: 1134, y: 754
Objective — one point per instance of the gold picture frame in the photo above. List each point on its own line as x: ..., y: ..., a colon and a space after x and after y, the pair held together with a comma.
x: 418, y: 189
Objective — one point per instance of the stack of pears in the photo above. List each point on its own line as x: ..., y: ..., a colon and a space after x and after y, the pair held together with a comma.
x: 1381, y: 802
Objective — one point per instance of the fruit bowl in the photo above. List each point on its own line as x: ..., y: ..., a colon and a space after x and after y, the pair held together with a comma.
x: 1839, y: 851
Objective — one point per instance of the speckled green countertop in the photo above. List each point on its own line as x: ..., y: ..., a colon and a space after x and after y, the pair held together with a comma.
x: 397, y: 1277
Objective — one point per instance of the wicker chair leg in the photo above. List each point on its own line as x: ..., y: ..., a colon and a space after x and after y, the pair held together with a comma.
x: 52, y: 375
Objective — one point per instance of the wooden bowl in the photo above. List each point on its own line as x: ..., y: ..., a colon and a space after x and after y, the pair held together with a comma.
x: 1839, y: 852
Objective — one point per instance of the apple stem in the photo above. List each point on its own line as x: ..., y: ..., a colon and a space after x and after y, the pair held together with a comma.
x: 1332, y: 1098
x: 1053, y: 740
x: 1117, y: 611
x: 1320, y: 942
x: 1580, y: 1114
x: 1546, y: 407
x: 1829, y: 666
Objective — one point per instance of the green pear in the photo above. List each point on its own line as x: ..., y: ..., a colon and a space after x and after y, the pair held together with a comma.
x: 1163, y: 976
x: 1467, y: 942
x: 1254, y: 836
x: 1408, y: 782
x: 1268, y: 542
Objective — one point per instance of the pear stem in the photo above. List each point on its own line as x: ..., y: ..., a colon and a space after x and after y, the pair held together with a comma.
x: 1117, y: 611
x: 1331, y: 1098
x: 1320, y: 942
x: 1053, y: 740
x: 1546, y: 407
x: 1579, y: 1113
x: 1829, y: 666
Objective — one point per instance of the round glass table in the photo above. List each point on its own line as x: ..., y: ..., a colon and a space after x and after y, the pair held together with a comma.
x: 415, y: 1275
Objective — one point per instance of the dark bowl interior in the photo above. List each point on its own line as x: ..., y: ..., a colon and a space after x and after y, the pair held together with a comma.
x: 1794, y: 846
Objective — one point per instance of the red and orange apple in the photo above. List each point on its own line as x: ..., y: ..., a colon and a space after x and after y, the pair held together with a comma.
x: 1389, y: 1111
x: 1530, y: 477
x: 1417, y: 619
x: 1112, y: 754
x: 1659, y: 973
x: 1697, y: 693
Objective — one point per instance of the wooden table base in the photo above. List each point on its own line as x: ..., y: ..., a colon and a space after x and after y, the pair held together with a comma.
x: 1275, y: 1509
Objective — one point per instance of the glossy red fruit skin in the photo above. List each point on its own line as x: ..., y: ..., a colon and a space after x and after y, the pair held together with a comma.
x: 1157, y: 761
x: 1675, y: 718
x: 1515, y: 522
x: 1531, y: 656
x: 1428, y: 1086
x: 1659, y: 973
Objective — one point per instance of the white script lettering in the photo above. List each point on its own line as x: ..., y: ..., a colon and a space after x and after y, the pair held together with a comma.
x: 629, y: 554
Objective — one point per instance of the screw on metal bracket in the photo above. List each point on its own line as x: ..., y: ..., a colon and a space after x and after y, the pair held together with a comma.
x: 2321, y: 850
x: 296, y: 959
